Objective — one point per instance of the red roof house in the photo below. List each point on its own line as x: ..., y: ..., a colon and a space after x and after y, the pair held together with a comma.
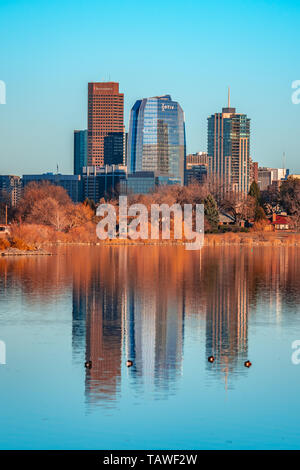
x: 280, y: 222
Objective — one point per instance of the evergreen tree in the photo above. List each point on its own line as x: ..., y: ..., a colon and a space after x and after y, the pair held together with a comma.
x: 259, y: 210
x: 260, y: 213
x: 211, y: 211
x: 255, y: 192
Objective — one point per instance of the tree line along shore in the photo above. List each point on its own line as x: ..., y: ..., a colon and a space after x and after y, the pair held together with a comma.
x: 45, y: 215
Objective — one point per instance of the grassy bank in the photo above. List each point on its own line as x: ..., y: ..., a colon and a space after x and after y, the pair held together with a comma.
x: 254, y: 238
x: 14, y: 246
x: 31, y: 238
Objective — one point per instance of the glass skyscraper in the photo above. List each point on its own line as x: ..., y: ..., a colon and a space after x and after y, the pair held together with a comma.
x: 80, y: 151
x: 228, y: 149
x: 156, y: 140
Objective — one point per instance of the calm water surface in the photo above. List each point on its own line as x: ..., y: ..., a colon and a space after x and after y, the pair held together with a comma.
x: 167, y: 310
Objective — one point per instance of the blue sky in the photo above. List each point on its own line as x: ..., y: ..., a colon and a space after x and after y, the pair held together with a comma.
x: 192, y: 50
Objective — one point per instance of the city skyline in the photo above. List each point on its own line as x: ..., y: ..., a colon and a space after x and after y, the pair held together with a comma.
x: 108, y: 160
x: 46, y: 93
x: 283, y: 162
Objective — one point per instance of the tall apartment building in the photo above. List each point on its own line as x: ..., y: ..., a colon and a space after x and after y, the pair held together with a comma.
x: 10, y: 189
x: 105, y: 117
x: 228, y: 148
x: 80, y: 151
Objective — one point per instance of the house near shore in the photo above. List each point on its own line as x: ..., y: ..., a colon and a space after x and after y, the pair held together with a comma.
x: 226, y: 219
x: 281, y: 221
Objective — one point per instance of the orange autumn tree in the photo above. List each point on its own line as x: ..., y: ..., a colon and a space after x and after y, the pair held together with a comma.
x: 46, y: 204
x: 35, y: 192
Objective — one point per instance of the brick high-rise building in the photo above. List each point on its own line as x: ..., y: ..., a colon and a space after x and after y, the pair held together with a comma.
x: 105, y: 116
x: 253, y: 171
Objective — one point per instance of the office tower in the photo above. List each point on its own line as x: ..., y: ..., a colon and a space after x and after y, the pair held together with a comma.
x: 125, y: 148
x: 268, y: 176
x: 229, y: 149
x: 105, y: 116
x: 140, y: 182
x: 102, y: 182
x: 114, y: 148
x: 195, y: 174
x: 80, y: 151
x: 71, y: 183
x: 264, y: 178
x: 156, y: 139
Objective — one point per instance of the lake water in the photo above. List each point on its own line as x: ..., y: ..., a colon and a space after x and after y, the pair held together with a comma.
x: 167, y: 310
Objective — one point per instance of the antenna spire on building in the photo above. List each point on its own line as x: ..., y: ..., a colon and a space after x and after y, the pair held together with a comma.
x: 284, y: 161
x: 229, y: 97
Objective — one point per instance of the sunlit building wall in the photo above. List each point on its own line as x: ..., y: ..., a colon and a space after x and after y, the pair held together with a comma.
x: 105, y: 117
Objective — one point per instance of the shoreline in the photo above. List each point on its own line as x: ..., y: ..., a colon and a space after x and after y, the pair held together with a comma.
x: 275, y: 239
x: 210, y: 239
x: 16, y: 252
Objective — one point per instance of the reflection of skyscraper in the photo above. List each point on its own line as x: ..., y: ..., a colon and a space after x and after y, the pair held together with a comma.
x: 79, y: 322
x: 152, y: 324
x: 103, y: 342
x: 154, y: 337
x: 227, y: 318
x: 97, y: 318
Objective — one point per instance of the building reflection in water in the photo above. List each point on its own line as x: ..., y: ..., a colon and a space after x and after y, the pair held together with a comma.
x: 227, y: 316
x: 97, y: 321
x: 152, y: 304
x: 153, y: 337
x: 148, y: 303
x: 119, y: 320
x: 130, y: 304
